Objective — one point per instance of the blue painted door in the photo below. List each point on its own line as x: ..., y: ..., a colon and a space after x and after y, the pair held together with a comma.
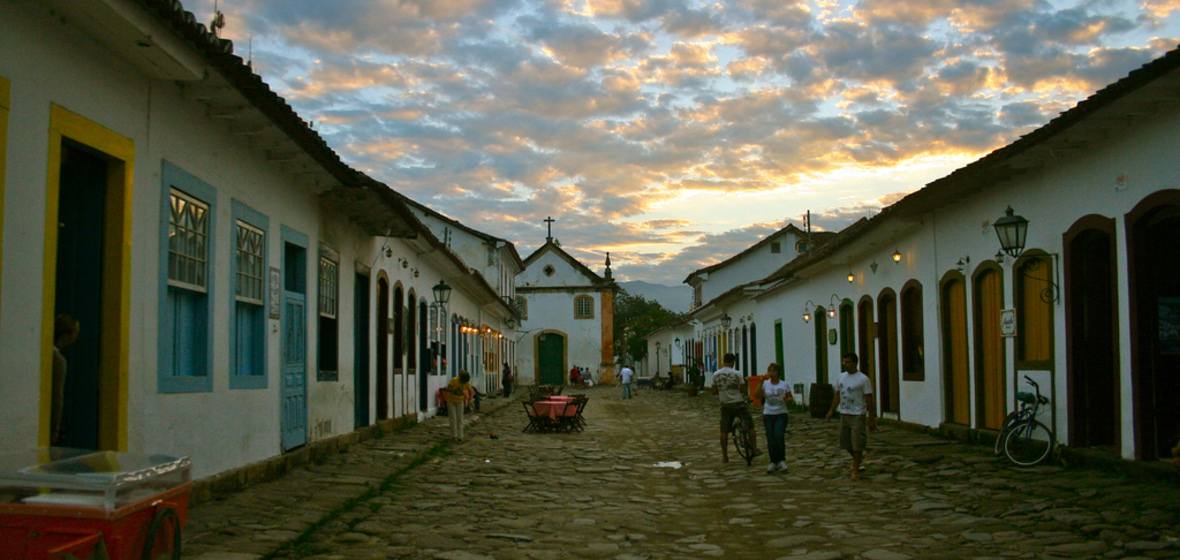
x: 294, y: 343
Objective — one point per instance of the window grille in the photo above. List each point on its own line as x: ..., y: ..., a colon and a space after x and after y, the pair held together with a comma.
x: 188, y: 237
x: 251, y: 263
x: 329, y: 288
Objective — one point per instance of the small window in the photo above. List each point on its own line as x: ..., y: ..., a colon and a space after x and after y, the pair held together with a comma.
x: 548, y: 270
x: 801, y: 246
x: 776, y: 247
x: 584, y: 307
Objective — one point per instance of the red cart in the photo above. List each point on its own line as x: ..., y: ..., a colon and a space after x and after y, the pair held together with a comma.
x: 68, y: 504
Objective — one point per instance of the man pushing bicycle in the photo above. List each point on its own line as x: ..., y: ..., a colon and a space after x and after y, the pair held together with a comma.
x: 730, y: 386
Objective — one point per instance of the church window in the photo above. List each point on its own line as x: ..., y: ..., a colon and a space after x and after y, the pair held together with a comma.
x: 584, y: 307
x: 522, y: 308
x: 801, y: 246
x: 776, y: 247
x: 548, y: 270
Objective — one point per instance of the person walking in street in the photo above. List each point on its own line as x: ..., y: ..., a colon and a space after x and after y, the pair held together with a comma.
x: 625, y: 376
x: 775, y: 395
x: 854, y: 402
x: 459, y: 395
x: 506, y: 380
x: 730, y: 386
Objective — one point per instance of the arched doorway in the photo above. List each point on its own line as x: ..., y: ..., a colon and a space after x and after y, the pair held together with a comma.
x: 955, y: 376
x: 989, y: 346
x: 821, y: 345
x: 865, y: 335
x: 847, y: 328
x: 382, y: 348
x: 1091, y: 342
x: 360, y: 361
x: 1153, y: 228
x: 887, y: 352
x: 754, y: 349
x: 550, y: 358
x: 399, y: 351
x: 424, y: 353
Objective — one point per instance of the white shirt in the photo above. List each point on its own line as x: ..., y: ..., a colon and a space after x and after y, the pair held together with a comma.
x: 731, y: 386
x: 852, y: 388
x: 626, y: 374
x: 776, y: 394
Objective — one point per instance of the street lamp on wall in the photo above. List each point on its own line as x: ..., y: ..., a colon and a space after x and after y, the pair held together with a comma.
x: 442, y: 292
x: 726, y: 321
x: 1012, y: 230
x: 807, y: 307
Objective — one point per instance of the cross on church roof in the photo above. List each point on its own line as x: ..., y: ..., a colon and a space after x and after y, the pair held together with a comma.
x: 549, y: 225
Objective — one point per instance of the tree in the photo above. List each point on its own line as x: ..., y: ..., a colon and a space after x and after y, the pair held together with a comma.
x: 636, y: 317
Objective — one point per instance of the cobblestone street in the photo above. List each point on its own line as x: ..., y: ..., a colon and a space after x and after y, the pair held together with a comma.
x: 603, y: 494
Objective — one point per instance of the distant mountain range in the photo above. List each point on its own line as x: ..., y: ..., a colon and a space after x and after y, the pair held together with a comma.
x: 673, y: 298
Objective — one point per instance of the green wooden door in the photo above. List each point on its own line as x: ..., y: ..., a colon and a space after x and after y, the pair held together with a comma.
x: 550, y: 359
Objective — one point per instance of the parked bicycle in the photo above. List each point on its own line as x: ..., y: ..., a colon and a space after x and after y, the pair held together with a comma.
x: 739, y: 433
x: 1023, y: 439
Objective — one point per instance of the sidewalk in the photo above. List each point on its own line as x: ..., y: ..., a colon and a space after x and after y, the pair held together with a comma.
x: 262, y: 519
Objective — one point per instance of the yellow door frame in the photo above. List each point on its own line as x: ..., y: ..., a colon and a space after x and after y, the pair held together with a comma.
x: 116, y: 280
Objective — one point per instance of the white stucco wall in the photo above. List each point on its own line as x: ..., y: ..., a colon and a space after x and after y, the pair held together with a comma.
x: 222, y: 428
x: 1052, y: 200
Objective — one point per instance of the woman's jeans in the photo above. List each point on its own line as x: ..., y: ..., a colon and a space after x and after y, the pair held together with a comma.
x: 776, y: 434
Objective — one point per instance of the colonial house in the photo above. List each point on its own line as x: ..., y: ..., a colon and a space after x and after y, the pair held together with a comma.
x: 566, y: 317
x: 498, y: 263
x: 722, y: 287
x: 241, y: 291
x: 1050, y: 259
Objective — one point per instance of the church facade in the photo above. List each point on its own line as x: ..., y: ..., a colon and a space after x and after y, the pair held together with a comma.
x: 567, y: 318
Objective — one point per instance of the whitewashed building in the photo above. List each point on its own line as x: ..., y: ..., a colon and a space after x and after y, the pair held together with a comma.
x: 567, y: 318
x: 723, y: 314
x: 949, y: 325
x: 242, y: 293
x: 497, y: 262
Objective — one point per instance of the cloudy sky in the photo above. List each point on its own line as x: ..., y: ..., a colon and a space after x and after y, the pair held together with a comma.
x: 675, y: 133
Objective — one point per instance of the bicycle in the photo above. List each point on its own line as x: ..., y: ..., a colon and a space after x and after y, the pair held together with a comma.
x: 739, y: 432
x: 1012, y: 418
x: 1027, y: 441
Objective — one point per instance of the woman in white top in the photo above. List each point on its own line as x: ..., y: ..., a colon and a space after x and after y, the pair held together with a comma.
x: 775, y: 396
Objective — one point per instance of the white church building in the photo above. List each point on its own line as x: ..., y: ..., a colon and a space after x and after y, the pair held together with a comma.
x: 567, y: 318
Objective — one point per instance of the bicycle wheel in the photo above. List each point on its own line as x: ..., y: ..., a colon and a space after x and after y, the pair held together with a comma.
x: 741, y: 439
x: 163, y: 537
x: 1028, y: 444
x: 1007, y: 425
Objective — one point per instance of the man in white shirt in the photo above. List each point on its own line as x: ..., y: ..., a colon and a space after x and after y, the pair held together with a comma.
x: 730, y: 386
x: 626, y: 376
x: 854, y: 402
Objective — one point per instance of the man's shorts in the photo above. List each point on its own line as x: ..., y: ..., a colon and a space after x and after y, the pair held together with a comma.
x: 729, y: 411
x: 853, y: 434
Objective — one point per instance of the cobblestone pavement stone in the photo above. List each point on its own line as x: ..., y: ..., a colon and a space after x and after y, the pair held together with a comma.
x: 603, y: 494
